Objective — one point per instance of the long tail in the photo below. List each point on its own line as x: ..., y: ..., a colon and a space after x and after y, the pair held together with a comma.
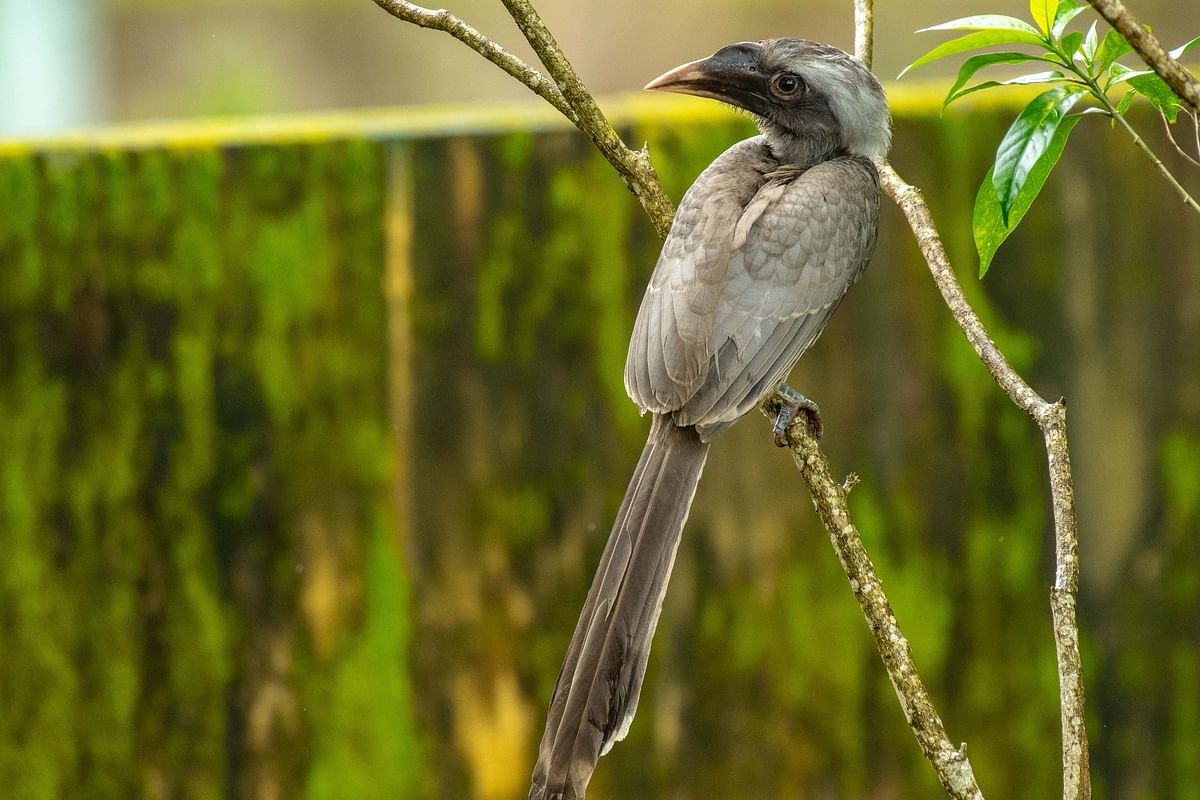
x: 601, y: 678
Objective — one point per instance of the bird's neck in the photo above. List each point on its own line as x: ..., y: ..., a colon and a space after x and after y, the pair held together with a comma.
x: 813, y: 147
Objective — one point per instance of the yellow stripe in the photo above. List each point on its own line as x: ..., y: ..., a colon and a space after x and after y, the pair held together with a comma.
x: 910, y: 99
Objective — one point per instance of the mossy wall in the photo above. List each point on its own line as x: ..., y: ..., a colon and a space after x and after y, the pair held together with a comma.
x: 201, y: 594
x: 309, y: 444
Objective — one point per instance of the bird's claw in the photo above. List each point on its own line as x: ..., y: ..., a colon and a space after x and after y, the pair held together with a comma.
x: 791, y: 403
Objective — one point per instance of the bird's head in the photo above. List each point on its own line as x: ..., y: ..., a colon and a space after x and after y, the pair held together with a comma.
x: 810, y: 99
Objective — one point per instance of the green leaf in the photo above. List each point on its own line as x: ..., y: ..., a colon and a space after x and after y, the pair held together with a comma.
x: 974, y: 41
x: 1067, y: 10
x: 979, y: 87
x: 1071, y: 43
x: 1113, y: 47
x: 1119, y: 73
x: 1119, y: 109
x: 1152, y: 87
x: 1089, y: 44
x: 984, y: 22
x: 1037, y: 77
x: 1026, y: 141
x: 1160, y: 95
x: 976, y: 63
x: 1043, y: 13
x: 1125, y: 103
x: 1183, y: 48
x: 988, y: 222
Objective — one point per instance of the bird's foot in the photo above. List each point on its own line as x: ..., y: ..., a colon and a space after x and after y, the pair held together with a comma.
x: 791, y: 403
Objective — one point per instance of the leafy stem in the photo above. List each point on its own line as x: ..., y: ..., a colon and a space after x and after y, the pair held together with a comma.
x: 1082, y: 65
x: 1090, y: 79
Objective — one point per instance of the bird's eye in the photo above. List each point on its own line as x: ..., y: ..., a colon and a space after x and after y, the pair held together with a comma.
x: 786, y: 85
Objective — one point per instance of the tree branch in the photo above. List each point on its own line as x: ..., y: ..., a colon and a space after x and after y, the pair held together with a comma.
x: 912, y: 203
x: 1192, y: 115
x: 565, y: 92
x: 1182, y: 82
x: 829, y: 498
x: 864, y: 31
x: 951, y: 764
x: 1051, y: 419
x: 443, y: 20
x: 634, y: 167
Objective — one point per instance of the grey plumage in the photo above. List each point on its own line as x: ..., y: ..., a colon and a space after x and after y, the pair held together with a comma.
x: 758, y: 258
x: 612, y: 638
x: 762, y: 249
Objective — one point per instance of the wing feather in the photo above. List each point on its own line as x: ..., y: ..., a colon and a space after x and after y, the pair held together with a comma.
x: 757, y: 261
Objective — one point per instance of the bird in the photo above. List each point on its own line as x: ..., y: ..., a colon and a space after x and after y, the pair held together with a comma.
x: 762, y: 249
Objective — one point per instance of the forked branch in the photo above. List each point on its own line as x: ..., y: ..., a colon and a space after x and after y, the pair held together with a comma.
x: 566, y: 93
x: 443, y: 20
x: 563, y: 90
x: 1051, y: 419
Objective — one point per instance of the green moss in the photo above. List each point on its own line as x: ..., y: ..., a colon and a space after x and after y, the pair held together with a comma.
x: 497, y: 269
x: 515, y: 149
x: 1181, y: 474
x: 38, y: 748
x: 120, y: 214
x: 155, y: 191
x: 19, y: 199
x: 138, y: 285
x: 364, y: 744
x: 193, y: 389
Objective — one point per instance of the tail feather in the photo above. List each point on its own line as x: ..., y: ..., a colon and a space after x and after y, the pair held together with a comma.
x: 601, y: 678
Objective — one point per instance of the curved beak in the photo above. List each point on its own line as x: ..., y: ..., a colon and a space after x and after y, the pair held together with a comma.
x: 731, y: 75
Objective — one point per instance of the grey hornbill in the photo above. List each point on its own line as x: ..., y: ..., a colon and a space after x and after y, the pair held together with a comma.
x: 762, y: 249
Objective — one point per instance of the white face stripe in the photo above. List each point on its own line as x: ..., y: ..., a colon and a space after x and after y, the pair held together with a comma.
x: 860, y: 108
x: 852, y: 92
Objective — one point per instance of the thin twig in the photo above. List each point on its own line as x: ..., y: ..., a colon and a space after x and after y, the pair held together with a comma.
x: 1051, y: 418
x: 1171, y: 136
x: 1196, y: 129
x: 443, y: 20
x: 1101, y: 96
x: 864, y: 31
x: 1140, y: 143
x: 634, y: 167
x: 1187, y: 199
x: 1182, y: 82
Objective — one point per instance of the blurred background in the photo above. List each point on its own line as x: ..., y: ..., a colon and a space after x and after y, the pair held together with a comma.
x: 312, y: 427
x: 76, y: 62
